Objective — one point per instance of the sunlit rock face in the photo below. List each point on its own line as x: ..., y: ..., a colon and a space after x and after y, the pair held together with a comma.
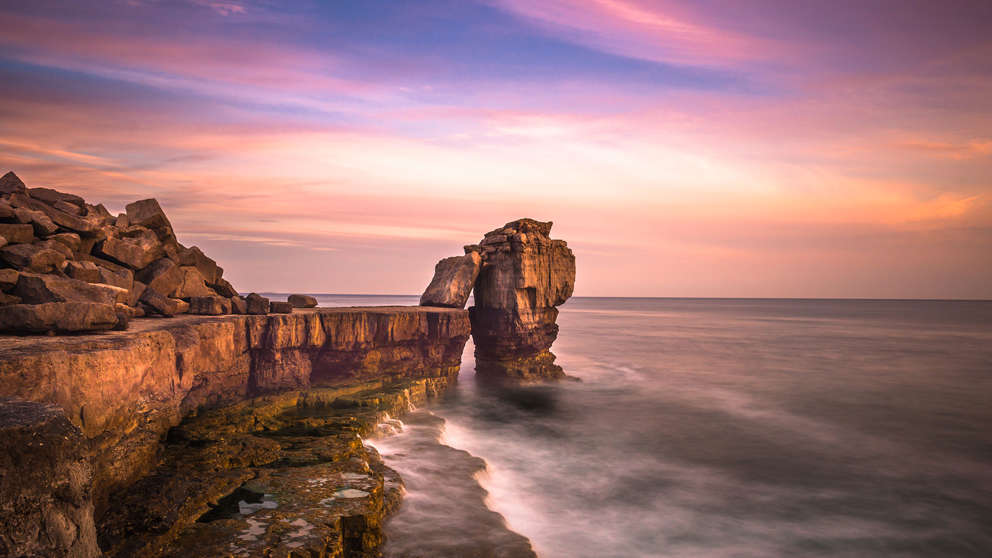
x: 524, y: 276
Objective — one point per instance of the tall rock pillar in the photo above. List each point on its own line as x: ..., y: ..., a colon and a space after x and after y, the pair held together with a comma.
x: 524, y: 276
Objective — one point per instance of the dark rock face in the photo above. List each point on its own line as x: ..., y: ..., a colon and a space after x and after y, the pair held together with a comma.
x: 280, y: 307
x: 524, y: 276
x: 16, y: 233
x: 453, y: 281
x: 257, y: 304
x: 9, y: 184
x: 209, y: 305
x: 302, y: 301
x: 46, y: 506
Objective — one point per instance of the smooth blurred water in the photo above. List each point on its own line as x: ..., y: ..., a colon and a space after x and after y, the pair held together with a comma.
x: 712, y: 428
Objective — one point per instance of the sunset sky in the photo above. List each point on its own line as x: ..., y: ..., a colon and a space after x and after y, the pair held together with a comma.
x: 780, y: 148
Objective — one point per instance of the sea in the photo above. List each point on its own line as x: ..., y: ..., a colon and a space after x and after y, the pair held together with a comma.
x: 713, y: 428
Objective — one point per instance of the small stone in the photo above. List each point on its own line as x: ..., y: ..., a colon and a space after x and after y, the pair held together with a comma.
x: 257, y: 304
x: 209, y: 305
x: 302, y: 301
x: 280, y: 307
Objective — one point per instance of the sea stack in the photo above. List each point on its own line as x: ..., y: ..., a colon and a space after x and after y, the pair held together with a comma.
x: 524, y: 276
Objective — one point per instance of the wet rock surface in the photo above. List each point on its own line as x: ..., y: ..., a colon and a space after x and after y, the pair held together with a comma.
x: 274, y: 476
x: 45, y: 492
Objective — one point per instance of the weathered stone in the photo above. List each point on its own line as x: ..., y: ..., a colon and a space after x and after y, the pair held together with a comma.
x: 86, y: 225
x: 519, y: 286
x: 124, y: 279
x: 35, y: 288
x: 101, y: 213
x: 3, y: 242
x: 9, y: 183
x: 121, y: 221
x: 224, y: 288
x: 61, y: 317
x: 46, y: 506
x: 135, y: 253
x: 69, y: 208
x: 453, y: 281
x: 280, y: 307
x: 84, y: 271
x: 51, y: 196
x: 162, y: 304
x: 239, y: 305
x: 17, y: 233
x: 134, y: 293
x: 9, y: 299
x: 70, y: 240
x: 148, y: 213
x: 257, y: 304
x: 302, y: 301
x: 57, y: 246
x: 192, y: 284
x: 31, y: 257
x: 43, y: 226
x: 6, y: 210
x: 209, y: 305
x: 162, y: 276
x: 207, y: 267
x: 8, y: 278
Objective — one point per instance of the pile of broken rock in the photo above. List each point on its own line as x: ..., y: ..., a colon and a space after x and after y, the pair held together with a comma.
x: 68, y: 266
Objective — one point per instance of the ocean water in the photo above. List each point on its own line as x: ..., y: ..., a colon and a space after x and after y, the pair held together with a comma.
x: 716, y: 428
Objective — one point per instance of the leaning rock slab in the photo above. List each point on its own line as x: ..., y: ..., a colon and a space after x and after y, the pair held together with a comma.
x: 37, y: 288
x: 31, y: 257
x: 453, y: 281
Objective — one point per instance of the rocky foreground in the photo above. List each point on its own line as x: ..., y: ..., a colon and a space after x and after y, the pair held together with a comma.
x: 234, y: 426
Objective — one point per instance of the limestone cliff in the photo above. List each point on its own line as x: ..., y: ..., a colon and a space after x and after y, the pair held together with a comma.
x: 524, y: 276
x: 124, y: 390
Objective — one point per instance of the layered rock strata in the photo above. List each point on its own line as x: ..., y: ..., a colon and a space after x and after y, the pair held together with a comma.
x: 124, y: 390
x: 522, y: 277
x: 66, y: 265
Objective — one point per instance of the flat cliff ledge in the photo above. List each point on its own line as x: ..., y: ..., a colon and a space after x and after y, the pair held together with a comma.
x: 125, y: 389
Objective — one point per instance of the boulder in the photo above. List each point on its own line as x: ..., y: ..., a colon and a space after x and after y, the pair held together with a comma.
x: 8, y: 278
x: 192, y: 284
x: 209, y: 305
x: 135, y: 253
x: 42, y: 225
x: 525, y: 275
x: 208, y: 268
x: 453, y: 281
x: 9, y: 184
x: 257, y: 304
x: 134, y: 293
x: 69, y: 208
x: 121, y: 221
x: 302, y: 301
x: 163, y: 276
x: 36, y: 288
x: 17, y: 233
x: 280, y: 307
x: 148, y: 213
x: 62, y: 317
x: 84, y: 271
x: 224, y: 288
x: 162, y: 304
x: 6, y: 210
x: 239, y: 305
x: 46, y: 506
x: 30, y: 257
x: 51, y: 196
x: 57, y: 246
x: 9, y: 299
